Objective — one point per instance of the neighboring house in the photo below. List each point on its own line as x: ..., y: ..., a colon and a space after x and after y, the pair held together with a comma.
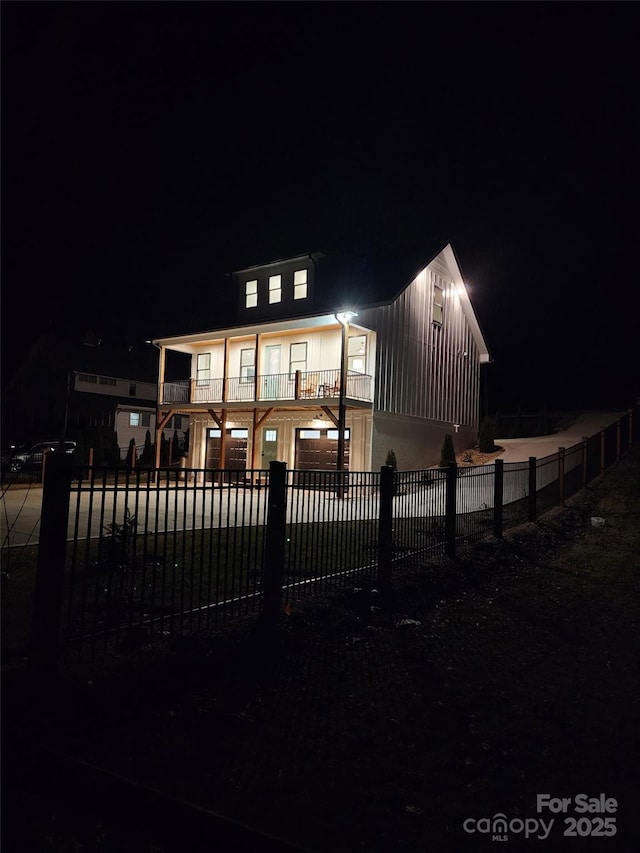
x: 394, y: 354
x: 76, y: 387
x: 133, y: 422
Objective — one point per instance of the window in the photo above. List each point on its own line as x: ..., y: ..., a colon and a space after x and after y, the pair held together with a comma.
x: 309, y: 433
x: 297, y: 358
x: 251, y: 293
x: 239, y: 433
x: 247, y: 365
x: 87, y: 377
x: 203, y: 367
x: 275, y: 288
x: 176, y: 422
x: 215, y: 433
x: 106, y: 380
x: 137, y: 419
x: 334, y: 433
x: 132, y: 389
x: 357, y: 353
x: 270, y: 435
x: 300, y: 284
x: 438, y: 303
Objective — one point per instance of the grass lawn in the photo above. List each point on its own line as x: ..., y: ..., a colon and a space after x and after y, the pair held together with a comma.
x: 507, y: 673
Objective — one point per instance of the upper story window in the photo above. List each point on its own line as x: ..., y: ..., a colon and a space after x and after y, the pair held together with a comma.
x: 357, y: 353
x: 87, y: 377
x: 107, y: 380
x: 438, y: 303
x: 275, y: 288
x: 247, y: 365
x: 297, y: 358
x: 251, y: 293
x: 300, y: 284
x: 132, y: 389
x: 203, y: 367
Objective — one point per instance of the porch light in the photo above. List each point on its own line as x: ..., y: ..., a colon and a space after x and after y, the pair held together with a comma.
x: 345, y: 317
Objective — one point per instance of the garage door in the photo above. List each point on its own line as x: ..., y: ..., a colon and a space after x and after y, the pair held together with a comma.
x: 235, y: 450
x: 317, y: 450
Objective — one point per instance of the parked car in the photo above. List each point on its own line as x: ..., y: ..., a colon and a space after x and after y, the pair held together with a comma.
x: 31, y: 459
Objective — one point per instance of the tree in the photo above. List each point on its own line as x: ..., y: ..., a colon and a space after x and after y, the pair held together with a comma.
x: 176, y: 453
x: 486, y: 436
x: 186, y: 441
x: 448, y: 453
x: 146, y: 457
x: 391, y: 460
x: 131, y: 453
x: 164, y: 449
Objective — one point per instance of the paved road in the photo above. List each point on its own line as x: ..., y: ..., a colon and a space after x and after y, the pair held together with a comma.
x: 589, y: 423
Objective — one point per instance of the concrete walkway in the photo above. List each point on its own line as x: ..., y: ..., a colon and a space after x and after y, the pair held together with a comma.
x: 587, y: 424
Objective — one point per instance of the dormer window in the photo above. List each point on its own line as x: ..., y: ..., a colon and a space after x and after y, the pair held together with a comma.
x: 275, y: 289
x: 251, y: 293
x: 300, y: 284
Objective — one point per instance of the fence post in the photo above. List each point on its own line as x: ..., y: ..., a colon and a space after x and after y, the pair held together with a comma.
x: 450, y: 510
x: 44, y: 642
x: 602, y: 447
x: 385, y: 528
x: 498, y: 492
x: 561, y: 453
x: 585, y: 451
x: 274, y: 546
x: 533, y: 487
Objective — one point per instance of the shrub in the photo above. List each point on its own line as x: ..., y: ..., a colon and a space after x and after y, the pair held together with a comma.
x: 448, y: 453
x: 176, y: 452
x: 486, y: 436
x: 146, y: 457
x: 391, y: 460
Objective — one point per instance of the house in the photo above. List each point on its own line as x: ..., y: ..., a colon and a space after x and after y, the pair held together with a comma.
x: 94, y: 392
x: 334, y: 360
x: 133, y: 421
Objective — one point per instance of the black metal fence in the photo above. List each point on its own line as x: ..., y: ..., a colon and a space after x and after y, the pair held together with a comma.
x: 129, y: 558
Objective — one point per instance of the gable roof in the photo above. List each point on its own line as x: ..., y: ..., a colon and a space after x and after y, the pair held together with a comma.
x: 355, y: 281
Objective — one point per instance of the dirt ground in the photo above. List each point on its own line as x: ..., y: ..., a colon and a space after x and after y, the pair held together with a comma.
x: 508, y: 673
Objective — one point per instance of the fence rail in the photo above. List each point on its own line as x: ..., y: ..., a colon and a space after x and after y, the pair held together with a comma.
x: 151, y: 554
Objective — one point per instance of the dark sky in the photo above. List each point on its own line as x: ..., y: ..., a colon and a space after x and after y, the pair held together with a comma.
x: 149, y: 148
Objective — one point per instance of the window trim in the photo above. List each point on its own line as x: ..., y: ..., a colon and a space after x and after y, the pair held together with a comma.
x: 292, y: 361
x: 251, y: 293
x: 438, y: 306
x: 300, y: 282
x: 201, y: 378
x: 275, y: 289
x: 248, y: 370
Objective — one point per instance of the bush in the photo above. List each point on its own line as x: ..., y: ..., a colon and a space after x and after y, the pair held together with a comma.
x: 391, y: 460
x: 147, y: 457
x: 486, y: 436
x: 176, y: 452
x: 448, y: 453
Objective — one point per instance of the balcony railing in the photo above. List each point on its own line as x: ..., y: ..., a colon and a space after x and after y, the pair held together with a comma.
x: 300, y: 385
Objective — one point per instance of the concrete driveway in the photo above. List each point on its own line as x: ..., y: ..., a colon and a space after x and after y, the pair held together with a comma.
x: 587, y: 424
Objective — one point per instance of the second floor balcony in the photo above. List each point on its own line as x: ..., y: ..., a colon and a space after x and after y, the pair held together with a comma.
x: 301, y: 385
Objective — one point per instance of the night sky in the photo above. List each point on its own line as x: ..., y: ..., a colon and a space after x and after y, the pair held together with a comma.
x: 148, y: 149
